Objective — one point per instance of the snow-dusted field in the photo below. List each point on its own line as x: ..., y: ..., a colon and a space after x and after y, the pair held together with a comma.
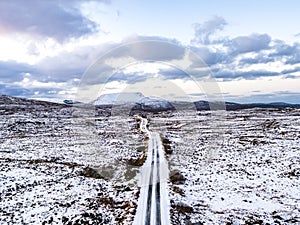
x: 239, y: 167
x: 63, y: 165
x: 60, y: 167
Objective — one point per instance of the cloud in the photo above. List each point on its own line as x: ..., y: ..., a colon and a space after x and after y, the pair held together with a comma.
x: 54, y: 69
x: 135, y: 49
x: 291, y: 71
x: 283, y: 49
x: 291, y: 53
x: 150, y: 47
x: 11, y: 71
x: 56, y: 19
x: 29, y: 87
x: 297, y: 35
x: 231, y: 59
x: 279, y: 96
x: 62, y: 67
x: 173, y: 74
x: 251, y: 43
x: 205, y: 31
x: 294, y: 59
x: 129, y: 78
x: 17, y: 90
x: 249, y: 75
x: 208, y: 56
x: 70, y: 65
x: 260, y: 58
x: 248, y: 61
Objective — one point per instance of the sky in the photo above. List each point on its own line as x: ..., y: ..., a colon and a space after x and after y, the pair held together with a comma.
x: 245, y: 51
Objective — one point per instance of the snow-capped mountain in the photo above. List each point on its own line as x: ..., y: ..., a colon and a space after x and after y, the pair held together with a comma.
x: 135, y: 100
x: 147, y: 103
x: 118, y: 98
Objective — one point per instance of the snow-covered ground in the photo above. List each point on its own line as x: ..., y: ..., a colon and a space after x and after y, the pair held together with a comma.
x: 58, y: 166
x: 64, y: 165
x: 239, y: 167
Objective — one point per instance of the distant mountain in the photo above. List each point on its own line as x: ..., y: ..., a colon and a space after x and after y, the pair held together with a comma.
x: 264, y: 105
x: 18, y: 101
x: 134, y: 100
x: 137, y: 101
x: 11, y: 105
x: 205, y: 105
x: 118, y: 98
x: 153, y: 104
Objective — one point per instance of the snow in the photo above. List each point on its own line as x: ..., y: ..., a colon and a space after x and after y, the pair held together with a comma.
x: 132, y: 100
x: 44, y: 153
x: 154, y: 103
x: 246, y: 174
x: 157, y: 166
x: 241, y: 167
x: 118, y: 98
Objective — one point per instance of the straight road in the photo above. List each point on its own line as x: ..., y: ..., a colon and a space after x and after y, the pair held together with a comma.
x: 153, y: 204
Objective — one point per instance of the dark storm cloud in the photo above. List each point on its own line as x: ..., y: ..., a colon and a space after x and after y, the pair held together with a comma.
x: 60, y: 20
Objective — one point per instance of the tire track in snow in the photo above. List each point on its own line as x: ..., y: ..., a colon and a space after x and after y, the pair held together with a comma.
x: 153, y: 204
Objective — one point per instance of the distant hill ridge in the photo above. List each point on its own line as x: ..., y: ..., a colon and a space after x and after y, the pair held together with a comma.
x: 138, y: 101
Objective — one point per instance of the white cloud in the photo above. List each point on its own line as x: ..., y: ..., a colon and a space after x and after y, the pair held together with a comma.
x: 205, y: 32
